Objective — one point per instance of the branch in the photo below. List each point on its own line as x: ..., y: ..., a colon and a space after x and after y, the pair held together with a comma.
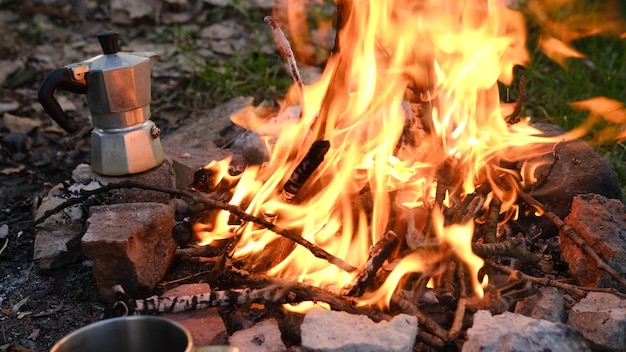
x: 513, y: 118
x: 378, y: 254
x: 440, y: 335
x: 573, y: 235
x: 285, y: 49
x: 512, y: 248
x: 300, y: 292
x: 459, y: 313
x: 579, y: 291
x: 202, y: 198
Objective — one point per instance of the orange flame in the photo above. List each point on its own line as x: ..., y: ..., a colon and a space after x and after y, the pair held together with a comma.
x: 394, y: 58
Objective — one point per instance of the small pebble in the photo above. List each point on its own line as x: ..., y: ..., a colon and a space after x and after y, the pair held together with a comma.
x: 4, y: 231
x: 14, y: 141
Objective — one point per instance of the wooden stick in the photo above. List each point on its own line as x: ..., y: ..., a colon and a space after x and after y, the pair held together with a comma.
x: 512, y: 248
x: 513, y: 118
x: 422, y: 319
x: 220, y: 298
x: 491, y: 224
x: 459, y: 313
x: 287, y: 53
x: 580, y: 291
x: 447, y: 288
x: 377, y: 256
x: 304, y: 170
x: 202, y: 198
x: 572, y: 234
x: 300, y: 292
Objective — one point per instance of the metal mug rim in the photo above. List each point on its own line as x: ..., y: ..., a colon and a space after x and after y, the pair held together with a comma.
x: 101, y: 323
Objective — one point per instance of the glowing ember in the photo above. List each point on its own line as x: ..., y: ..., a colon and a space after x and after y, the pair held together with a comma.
x: 410, y: 109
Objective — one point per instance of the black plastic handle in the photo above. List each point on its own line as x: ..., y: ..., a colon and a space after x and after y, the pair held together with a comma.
x: 60, y: 78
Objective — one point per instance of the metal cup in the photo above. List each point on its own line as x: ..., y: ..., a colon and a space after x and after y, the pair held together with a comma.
x: 128, y: 334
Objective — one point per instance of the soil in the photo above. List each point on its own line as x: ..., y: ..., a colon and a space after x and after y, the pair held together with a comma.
x: 40, y: 307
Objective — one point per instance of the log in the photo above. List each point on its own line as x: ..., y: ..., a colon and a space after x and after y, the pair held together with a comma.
x: 377, y: 256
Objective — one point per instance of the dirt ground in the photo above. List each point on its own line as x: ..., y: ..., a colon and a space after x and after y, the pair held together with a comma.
x: 37, y: 36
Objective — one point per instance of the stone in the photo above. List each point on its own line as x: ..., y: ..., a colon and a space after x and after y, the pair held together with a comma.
x: 601, y: 222
x: 262, y: 337
x: 508, y: 332
x: 126, y: 12
x: 547, y: 303
x: 204, y: 325
x: 194, y: 145
x: 162, y: 175
x: 262, y: 4
x: 601, y: 318
x: 251, y: 147
x: 57, y: 239
x: 206, y: 127
x: 130, y: 244
x: 567, y: 170
x: 187, y: 160
x: 332, y: 331
x: 4, y: 231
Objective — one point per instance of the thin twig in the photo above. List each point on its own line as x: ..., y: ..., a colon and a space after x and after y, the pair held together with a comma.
x: 6, y: 244
x: 285, y: 49
x: 377, y: 256
x: 579, y: 291
x: 459, y: 314
x: 165, y: 283
x: 513, y: 118
x: 296, y: 292
x: 512, y: 248
x: 491, y: 224
x: 424, y: 320
x: 202, y: 198
x: 572, y: 234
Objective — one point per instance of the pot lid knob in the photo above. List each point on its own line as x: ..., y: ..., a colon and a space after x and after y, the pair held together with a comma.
x: 110, y: 42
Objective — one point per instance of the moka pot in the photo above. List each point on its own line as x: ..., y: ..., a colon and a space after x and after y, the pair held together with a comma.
x: 117, y: 87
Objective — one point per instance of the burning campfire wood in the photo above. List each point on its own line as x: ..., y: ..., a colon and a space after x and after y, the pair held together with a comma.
x: 400, y: 172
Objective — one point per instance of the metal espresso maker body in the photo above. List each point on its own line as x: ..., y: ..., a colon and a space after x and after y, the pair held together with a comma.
x: 117, y: 87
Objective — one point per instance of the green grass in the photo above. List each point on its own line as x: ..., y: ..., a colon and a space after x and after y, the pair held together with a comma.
x: 216, y: 80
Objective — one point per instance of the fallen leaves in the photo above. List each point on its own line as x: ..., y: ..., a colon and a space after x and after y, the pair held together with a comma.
x: 611, y: 111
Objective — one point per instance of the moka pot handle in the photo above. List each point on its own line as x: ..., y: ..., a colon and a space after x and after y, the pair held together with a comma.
x: 63, y: 79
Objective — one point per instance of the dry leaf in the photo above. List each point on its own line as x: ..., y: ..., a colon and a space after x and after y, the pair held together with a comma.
x: 611, y: 110
x: 20, y: 124
x: 12, y: 170
x: 557, y: 50
x: 33, y: 335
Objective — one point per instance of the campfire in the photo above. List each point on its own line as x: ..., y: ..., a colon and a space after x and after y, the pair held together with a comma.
x: 396, y: 176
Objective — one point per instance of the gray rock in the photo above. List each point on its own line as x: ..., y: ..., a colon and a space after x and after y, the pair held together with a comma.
x: 251, y: 147
x: 567, y: 169
x: 262, y: 337
x: 128, y: 11
x: 601, y: 318
x: 509, y: 332
x: 207, y: 128
x: 601, y: 222
x: 547, y: 304
x: 262, y: 4
x: 331, y: 331
x: 85, y: 178
x: 57, y: 239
